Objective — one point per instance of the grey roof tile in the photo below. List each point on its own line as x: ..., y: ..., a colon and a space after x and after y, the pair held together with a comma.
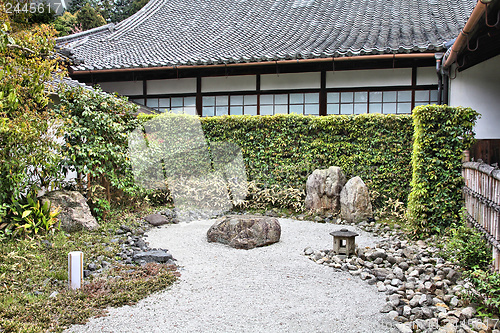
x: 198, y: 32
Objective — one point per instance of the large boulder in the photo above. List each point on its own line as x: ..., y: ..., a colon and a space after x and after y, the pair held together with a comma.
x: 245, y: 232
x: 355, y: 203
x: 323, y: 189
x: 75, y: 213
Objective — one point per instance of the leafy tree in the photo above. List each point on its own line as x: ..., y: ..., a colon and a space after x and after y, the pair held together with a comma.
x: 76, y: 5
x: 28, y: 156
x: 89, y: 18
x: 135, y: 6
x: 65, y: 24
x: 96, y: 135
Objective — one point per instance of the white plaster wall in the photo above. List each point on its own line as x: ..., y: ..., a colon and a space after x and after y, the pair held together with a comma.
x: 290, y: 81
x: 426, y: 75
x: 229, y: 83
x: 171, y: 86
x: 479, y: 88
x: 123, y: 88
x: 369, y: 78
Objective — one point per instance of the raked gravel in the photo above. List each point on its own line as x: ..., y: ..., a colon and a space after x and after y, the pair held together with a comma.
x: 269, y: 289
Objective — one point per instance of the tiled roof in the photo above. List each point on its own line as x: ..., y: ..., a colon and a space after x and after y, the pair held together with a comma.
x: 200, y: 32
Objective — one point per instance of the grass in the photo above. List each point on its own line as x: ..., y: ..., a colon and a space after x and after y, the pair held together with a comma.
x: 34, y: 296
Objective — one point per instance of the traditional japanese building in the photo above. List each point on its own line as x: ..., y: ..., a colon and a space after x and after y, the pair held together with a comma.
x: 263, y: 57
x: 474, y: 66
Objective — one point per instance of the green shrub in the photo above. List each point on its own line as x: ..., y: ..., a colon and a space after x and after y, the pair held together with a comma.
x: 441, y: 134
x: 283, y: 150
x: 467, y: 248
x: 486, y: 292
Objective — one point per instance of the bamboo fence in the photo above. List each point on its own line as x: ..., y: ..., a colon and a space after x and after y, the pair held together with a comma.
x: 482, y: 202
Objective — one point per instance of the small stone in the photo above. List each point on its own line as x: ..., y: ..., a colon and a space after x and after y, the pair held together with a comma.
x: 396, y: 282
x: 448, y: 328
x: 392, y: 314
x: 53, y: 294
x: 406, y: 311
x: 404, y: 328
x: 381, y: 286
x: 468, y: 312
x: 427, y: 312
x: 387, y: 308
x: 92, y: 267
x: 308, y: 251
x: 403, y: 265
x: 454, y: 302
x: 425, y: 300
x: 394, y: 300
x: 415, y: 301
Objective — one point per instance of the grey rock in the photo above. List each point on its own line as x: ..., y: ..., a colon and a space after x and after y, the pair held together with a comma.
x: 245, y: 232
x: 418, y: 313
x: 427, y: 312
x: 404, y: 328
x: 425, y: 300
x: 403, y: 265
x: 398, y: 272
x: 381, y: 286
x: 406, y: 311
x: 448, y: 328
x: 92, y: 267
x: 387, y: 308
x: 308, y: 251
x: 396, y: 282
x: 392, y: 314
x: 74, y: 213
x: 160, y: 256
x: 377, y: 254
x: 415, y: 301
x: 468, y: 312
x: 381, y: 273
x: 394, y: 300
x: 323, y: 188
x: 355, y: 203
x: 156, y: 219
x: 454, y: 302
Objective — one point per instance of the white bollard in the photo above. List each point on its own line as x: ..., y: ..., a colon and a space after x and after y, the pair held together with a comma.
x: 75, y: 269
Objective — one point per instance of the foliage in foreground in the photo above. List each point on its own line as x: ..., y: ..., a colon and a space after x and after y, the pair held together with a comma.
x: 28, y: 156
x: 96, y: 127
x: 33, y: 268
x: 467, y: 248
x: 441, y: 134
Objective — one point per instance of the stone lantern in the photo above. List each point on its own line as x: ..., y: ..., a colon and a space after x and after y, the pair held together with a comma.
x: 344, y: 242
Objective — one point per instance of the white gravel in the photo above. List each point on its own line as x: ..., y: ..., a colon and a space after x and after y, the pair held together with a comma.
x: 268, y: 289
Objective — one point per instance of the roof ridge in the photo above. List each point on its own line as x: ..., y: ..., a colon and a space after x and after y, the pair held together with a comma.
x: 109, y: 26
x: 131, y: 22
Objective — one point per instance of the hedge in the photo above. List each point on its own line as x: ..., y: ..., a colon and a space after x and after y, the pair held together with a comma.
x: 441, y: 134
x: 282, y: 150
